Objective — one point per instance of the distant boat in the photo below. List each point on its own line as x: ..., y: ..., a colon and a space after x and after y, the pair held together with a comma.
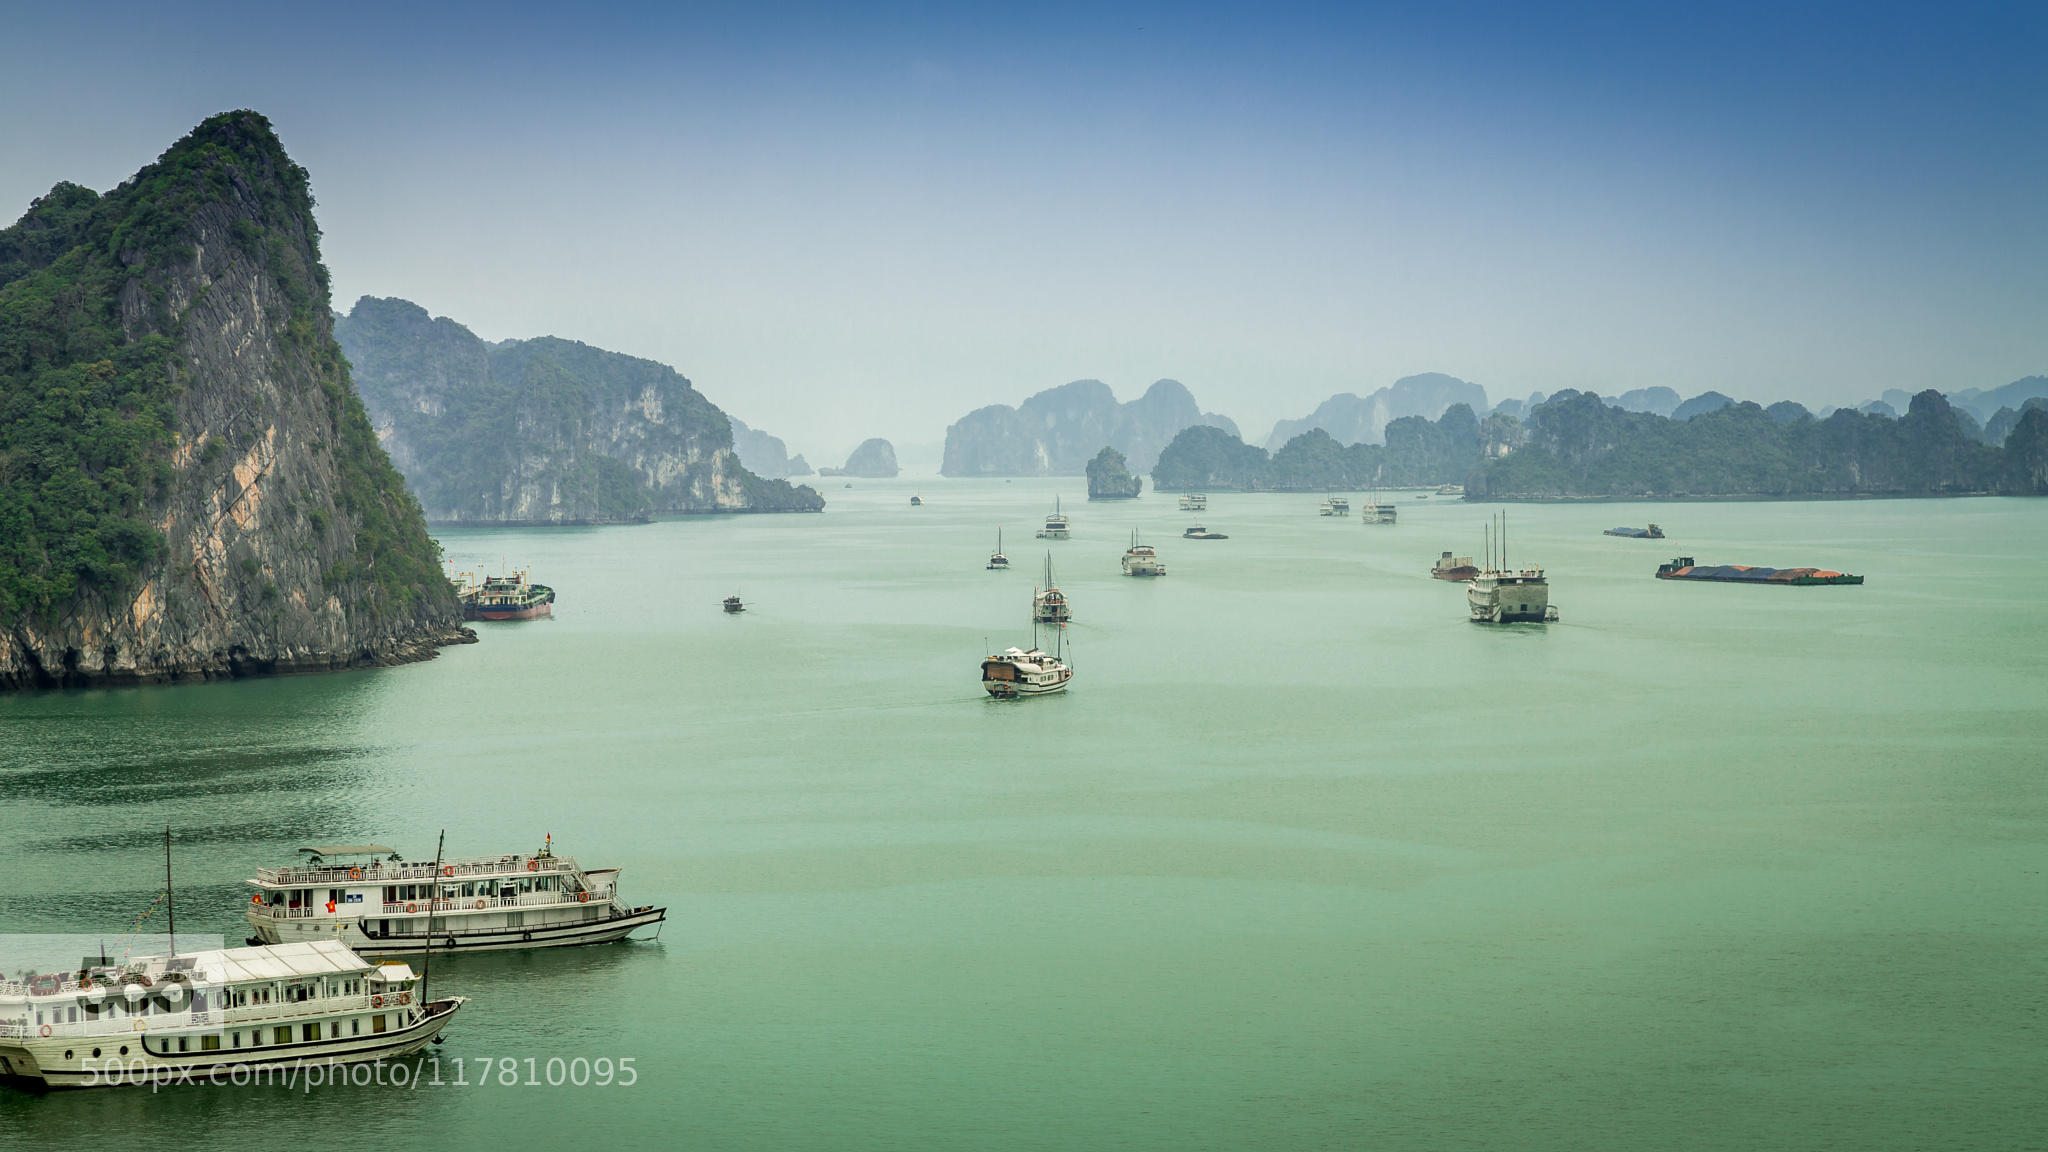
x: 915, y: 501
x: 1451, y: 490
x: 1141, y: 560
x: 1200, y: 533
x: 1449, y: 567
x: 732, y: 604
x: 1194, y: 501
x: 1056, y: 523
x: 507, y: 598
x: 1651, y: 533
x: 1335, y: 506
x: 996, y: 559
x: 1374, y: 512
x: 1014, y: 673
x: 1049, y: 604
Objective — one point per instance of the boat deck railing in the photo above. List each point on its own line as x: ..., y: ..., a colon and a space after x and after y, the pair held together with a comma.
x: 385, y: 872
x: 124, y: 1023
x: 486, y: 903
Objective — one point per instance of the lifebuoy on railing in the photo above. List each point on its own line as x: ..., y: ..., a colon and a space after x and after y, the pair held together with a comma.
x: 479, y: 904
x: 46, y: 1031
x: 533, y: 865
x: 405, y: 997
x: 376, y: 1001
x: 355, y: 873
x: 448, y: 870
x: 411, y: 908
x: 583, y: 897
x: 141, y: 1025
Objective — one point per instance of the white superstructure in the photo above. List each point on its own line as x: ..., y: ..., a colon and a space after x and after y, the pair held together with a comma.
x: 1014, y: 672
x: 1141, y: 560
x: 1057, y: 523
x: 367, y: 897
x: 196, y: 1016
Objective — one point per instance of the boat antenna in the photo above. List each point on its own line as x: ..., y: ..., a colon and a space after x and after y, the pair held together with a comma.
x: 1503, y: 539
x: 433, y: 894
x: 170, y: 904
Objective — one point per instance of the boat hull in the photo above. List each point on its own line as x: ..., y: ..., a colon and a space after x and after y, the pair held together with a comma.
x: 40, y: 1063
x: 530, y: 612
x: 450, y: 936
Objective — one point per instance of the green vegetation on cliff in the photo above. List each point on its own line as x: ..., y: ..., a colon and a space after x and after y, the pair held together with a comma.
x: 1579, y: 447
x: 1110, y: 479
x: 92, y: 316
x: 1416, y: 452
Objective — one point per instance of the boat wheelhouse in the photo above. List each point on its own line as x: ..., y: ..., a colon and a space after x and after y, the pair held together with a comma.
x: 1194, y: 502
x: 370, y: 898
x: 1141, y: 560
x: 1510, y: 597
x: 1057, y: 523
x: 198, y: 1015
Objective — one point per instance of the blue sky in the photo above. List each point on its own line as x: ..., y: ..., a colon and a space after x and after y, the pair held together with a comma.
x: 844, y: 222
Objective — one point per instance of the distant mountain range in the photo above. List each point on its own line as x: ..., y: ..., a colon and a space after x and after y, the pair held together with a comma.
x: 875, y: 459
x: 764, y: 455
x: 544, y: 430
x: 1353, y: 419
x: 1056, y: 432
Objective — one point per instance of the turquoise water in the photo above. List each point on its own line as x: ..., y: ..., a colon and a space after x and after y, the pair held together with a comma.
x: 1304, y: 859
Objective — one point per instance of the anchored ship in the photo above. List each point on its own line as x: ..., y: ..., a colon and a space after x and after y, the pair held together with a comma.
x: 1049, y: 604
x: 1683, y: 568
x: 1449, y: 567
x: 1200, y: 533
x: 732, y: 604
x: 1056, y: 523
x: 1335, y: 506
x: 996, y: 560
x: 1651, y: 533
x: 1500, y: 594
x: 506, y: 598
x: 368, y: 897
x: 1141, y: 560
x: 195, y: 1016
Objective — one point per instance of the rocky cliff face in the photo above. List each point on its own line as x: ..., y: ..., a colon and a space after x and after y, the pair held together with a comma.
x: 875, y: 459
x: 544, y: 430
x: 1057, y: 431
x: 1109, y: 478
x: 1353, y: 419
x: 209, y: 499
x: 764, y: 455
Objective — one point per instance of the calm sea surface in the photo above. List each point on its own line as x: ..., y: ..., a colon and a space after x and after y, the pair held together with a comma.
x: 1303, y: 860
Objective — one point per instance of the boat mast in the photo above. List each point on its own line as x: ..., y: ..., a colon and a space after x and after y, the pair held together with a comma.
x: 170, y: 902
x: 433, y: 894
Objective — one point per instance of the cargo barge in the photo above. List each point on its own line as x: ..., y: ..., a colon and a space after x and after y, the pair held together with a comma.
x: 1683, y: 568
x: 1651, y: 533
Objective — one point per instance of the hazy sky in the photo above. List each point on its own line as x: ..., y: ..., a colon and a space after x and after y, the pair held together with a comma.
x: 842, y: 222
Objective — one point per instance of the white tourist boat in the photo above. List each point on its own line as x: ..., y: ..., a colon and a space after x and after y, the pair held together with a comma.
x: 213, y: 1016
x: 1194, y: 501
x: 1141, y: 560
x: 366, y: 896
x: 1373, y: 512
x: 1057, y: 523
x: 1014, y: 673
x: 997, y: 562
x: 1335, y: 506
